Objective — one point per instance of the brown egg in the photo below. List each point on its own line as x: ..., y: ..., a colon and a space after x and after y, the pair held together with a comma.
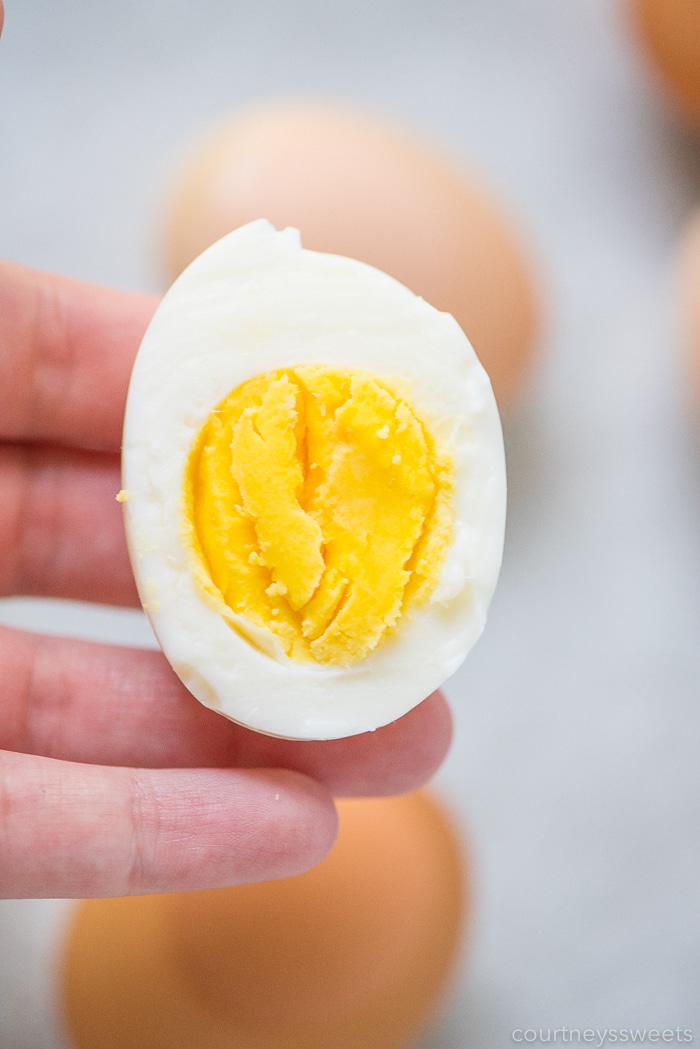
x: 355, y: 186
x: 354, y: 953
x: 670, y: 33
x: 690, y: 290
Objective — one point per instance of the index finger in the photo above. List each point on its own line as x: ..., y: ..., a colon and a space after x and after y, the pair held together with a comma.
x: 66, y: 352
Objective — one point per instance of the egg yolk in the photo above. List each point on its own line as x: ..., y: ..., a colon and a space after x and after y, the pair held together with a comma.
x: 319, y: 508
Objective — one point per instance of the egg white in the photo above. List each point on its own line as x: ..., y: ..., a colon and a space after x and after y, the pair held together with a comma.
x: 254, y: 302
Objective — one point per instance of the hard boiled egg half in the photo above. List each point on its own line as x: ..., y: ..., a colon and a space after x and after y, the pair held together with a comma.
x: 313, y: 486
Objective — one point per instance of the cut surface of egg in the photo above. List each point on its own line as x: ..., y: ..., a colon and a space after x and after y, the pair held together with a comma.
x: 313, y: 486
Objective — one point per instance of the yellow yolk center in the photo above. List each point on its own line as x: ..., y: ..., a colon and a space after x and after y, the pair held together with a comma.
x: 319, y: 509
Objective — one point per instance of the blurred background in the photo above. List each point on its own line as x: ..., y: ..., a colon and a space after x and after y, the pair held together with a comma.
x: 574, y: 778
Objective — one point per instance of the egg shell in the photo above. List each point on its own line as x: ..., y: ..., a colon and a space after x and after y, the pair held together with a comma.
x: 359, y: 186
x: 357, y: 952
x: 255, y: 302
x: 669, y: 31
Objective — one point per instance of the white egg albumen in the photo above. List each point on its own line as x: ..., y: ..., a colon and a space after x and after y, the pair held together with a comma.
x: 254, y: 302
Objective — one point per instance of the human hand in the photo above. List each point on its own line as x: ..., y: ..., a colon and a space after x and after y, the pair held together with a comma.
x: 113, y: 778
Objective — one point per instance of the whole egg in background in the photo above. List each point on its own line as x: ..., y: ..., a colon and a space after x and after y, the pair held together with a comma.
x: 669, y: 32
x: 355, y: 185
x: 355, y: 954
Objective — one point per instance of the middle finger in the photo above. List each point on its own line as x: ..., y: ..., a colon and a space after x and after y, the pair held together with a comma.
x: 61, y: 528
x: 100, y: 704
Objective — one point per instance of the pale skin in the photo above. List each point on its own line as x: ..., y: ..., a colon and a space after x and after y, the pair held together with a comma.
x: 113, y: 779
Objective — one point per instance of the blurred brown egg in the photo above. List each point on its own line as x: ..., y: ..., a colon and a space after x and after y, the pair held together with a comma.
x: 358, y: 187
x: 690, y: 290
x: 670, y: 33
x: 354, y: 953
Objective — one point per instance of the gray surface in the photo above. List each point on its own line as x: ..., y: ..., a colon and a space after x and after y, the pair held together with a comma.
x: 575, y: 773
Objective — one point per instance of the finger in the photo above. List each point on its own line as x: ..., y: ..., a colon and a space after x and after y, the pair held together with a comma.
x: 93, y: 703
x: 73, y: 830
x: 66, y: 353
x: 395, y: 759
x: 61, y: 528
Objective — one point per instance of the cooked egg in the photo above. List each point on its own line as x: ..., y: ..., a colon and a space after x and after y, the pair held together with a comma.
x: 313, y: 485
x: 359, y: 186
x: 670, y: 34
x: 354, y: 954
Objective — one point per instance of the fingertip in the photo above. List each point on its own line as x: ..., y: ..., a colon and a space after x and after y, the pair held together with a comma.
x: 416, y: 746
x: 301, y: 821
x: 395, y: 759
x: 437, y: 711
x: 73, y: 830
x: 241, y: 826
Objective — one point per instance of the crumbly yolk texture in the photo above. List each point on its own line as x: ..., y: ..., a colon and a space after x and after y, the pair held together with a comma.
x: 318, y: 508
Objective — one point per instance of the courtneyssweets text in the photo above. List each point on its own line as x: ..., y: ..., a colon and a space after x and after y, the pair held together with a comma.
x: 600, y: 1036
